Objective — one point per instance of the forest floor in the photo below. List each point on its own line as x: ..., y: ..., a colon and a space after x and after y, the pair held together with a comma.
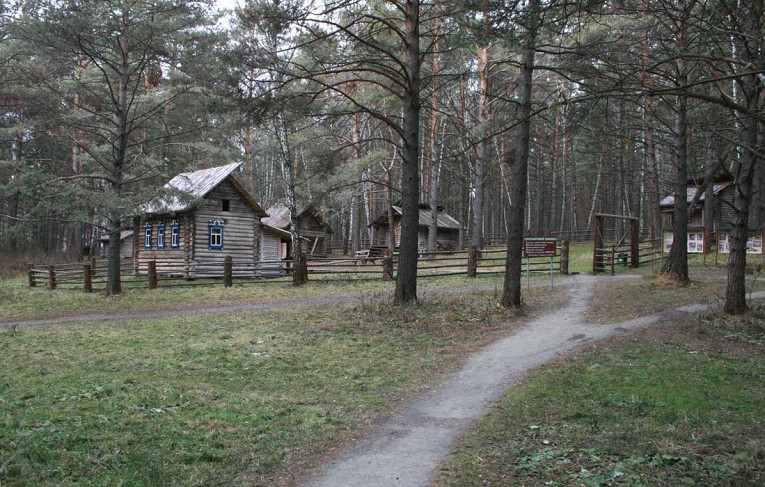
x: 238, y: 398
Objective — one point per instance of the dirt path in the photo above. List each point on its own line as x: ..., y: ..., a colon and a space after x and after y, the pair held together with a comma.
x: 407, y: 449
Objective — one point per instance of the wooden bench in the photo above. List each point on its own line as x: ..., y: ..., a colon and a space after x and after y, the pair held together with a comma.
x: 371, y: 254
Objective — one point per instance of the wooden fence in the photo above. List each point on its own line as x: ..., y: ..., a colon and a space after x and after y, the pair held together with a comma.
x: 611, y: 256
x: 91, y: 275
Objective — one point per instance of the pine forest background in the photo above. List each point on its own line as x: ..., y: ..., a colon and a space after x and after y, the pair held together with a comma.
x: 102, y: 102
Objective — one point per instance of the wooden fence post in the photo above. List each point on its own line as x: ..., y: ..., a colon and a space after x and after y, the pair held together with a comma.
x: 228, y: 271
x: 152, y: 266
x: 93, y: 265
x: 387, y: 267
x: 87, y: 278
x: 597, y: 256
x: 472, y: 263
x: 635, y: 241
x: 564, y: 257
x: 30, y: 271
x: 51, y: 277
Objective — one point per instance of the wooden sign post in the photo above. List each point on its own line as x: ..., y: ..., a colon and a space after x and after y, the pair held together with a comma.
x: 539, y: 247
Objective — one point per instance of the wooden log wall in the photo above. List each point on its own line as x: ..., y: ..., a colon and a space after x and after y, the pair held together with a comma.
x: 241, y: 228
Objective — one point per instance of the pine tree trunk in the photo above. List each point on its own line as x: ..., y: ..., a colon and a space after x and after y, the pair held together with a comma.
x: 406, y: 282
x: 735, y: 292
x: 511, y: 292
x: 481, y: 146
x: 677, y: 262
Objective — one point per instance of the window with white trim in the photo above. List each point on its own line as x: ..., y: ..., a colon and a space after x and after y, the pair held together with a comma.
x: 216, y: 235
x: 161, y: 236
x: 695, y: 243
x: 668, y: 239
x: 724, y: 245
x: 147, y: 236
x: 754, y: 244
x: 175, y: 233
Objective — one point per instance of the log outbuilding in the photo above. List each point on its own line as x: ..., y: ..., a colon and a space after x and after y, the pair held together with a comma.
x: 447, y: 233
x: 313, y: 230
x: 706, y: 230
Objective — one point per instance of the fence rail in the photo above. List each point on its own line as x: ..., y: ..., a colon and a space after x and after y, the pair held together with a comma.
x: 92, y: 274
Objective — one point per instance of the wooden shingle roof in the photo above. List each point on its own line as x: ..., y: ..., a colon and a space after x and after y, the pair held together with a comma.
x: 443, y: 219
x: 196, y: 185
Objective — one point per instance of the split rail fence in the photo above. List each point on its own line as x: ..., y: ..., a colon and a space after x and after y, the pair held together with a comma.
x: 91, y: 275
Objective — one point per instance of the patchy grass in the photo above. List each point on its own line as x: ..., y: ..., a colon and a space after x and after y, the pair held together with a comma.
x: 620, y: 300
x: 22, y: 302
x: 678, y: 404
x: 233, y: 399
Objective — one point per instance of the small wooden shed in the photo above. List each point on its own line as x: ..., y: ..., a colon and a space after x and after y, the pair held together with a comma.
x: 312, y: 227
x: 126, y: 244
x: 209, y: 217
x: 447, y: 228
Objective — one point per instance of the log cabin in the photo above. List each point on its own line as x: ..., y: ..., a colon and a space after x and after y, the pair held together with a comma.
x: 313, y: 230
x: 207, y: 216
x: 447, y: 229
x: 701, y: 239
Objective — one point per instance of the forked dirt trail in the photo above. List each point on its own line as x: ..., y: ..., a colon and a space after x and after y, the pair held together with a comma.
x: 407, y: 449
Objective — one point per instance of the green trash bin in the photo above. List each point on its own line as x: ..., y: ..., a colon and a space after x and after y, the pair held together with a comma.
x: 621, y: 259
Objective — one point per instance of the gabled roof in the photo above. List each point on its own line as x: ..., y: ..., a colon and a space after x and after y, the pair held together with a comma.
x: 279, y: 216
x: 197, y: 185
x: 691, y: 193
x: 443, y: 219
x: 276, y: 231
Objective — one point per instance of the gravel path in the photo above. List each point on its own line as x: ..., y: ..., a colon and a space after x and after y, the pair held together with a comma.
x: 407, y: 449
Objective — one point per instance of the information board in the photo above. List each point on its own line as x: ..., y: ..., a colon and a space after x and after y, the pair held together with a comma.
x: 540, y: 247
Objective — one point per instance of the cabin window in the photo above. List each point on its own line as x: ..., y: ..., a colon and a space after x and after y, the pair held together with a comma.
x: 724, y: 245
x: 175, y: 233
x: 147, y: 236
x: 695, y: 243
x: 754, y: 244
x: 161, y: 236
x: 668, y: 239
x: 216, y: 235
x: 226, y: 205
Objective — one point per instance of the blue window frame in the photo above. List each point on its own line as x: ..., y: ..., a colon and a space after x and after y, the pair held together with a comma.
x: 216, y: 235
x: 147, y: 236
x: 175, y: 233
x: 161, y: 236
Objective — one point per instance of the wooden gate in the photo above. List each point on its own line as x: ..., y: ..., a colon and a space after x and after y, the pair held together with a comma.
x: 604, y: 254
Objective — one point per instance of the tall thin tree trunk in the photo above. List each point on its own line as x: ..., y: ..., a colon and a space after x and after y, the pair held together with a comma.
x: 735, y: 292
x: 511, y: 292
x: 435, y: 160
x: 481, y: 151
x: 406, y: 281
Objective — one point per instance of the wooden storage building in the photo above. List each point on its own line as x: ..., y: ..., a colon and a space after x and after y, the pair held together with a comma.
x: 126, y: 244
x: 447, y: 233
x: 207, y: 216
x: 312, y: 227
x: 721, y: 220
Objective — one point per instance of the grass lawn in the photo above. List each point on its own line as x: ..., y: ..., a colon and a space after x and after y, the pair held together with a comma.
x: 621, y: 300
x: 21, y: 302
x: 681, y: 403
x: 237, y: 399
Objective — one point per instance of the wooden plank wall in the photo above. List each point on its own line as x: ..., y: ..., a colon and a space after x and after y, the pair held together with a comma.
x: 241, y: 229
